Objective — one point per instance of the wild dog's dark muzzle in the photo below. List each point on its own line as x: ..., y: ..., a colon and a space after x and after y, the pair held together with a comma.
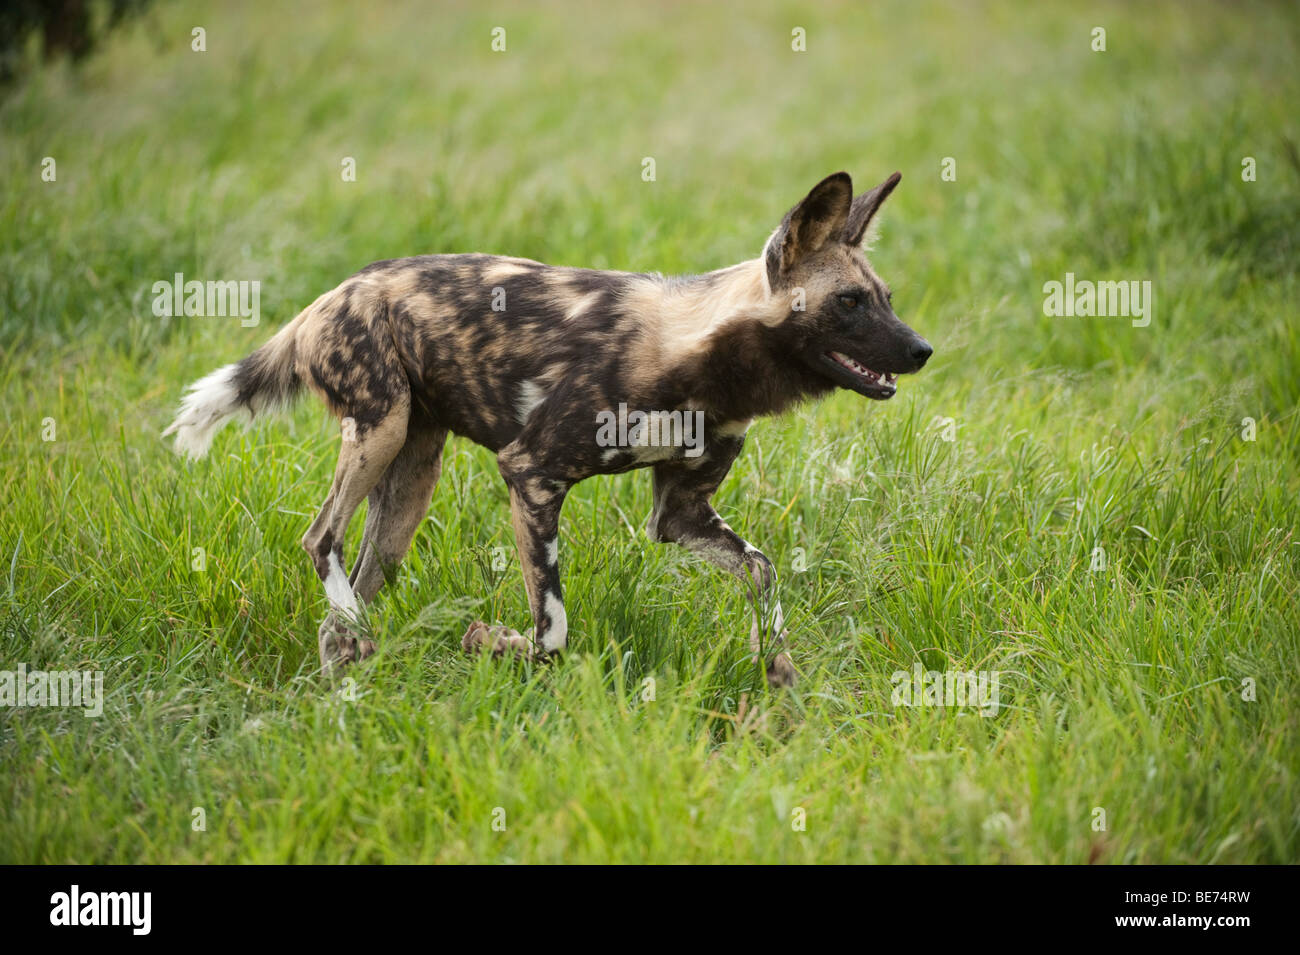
x: 871, y: 364
x: 919, y: 352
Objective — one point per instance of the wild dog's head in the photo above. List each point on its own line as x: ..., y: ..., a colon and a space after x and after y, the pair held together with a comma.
x: 840, y: 324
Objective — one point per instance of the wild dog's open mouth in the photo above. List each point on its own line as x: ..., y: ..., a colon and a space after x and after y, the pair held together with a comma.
x: 874, y: 384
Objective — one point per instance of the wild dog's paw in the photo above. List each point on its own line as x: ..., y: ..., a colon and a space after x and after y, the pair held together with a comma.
x: 341, y: 642
x: 780, y: 669
x: 497, y: 640
x: 780, y: 672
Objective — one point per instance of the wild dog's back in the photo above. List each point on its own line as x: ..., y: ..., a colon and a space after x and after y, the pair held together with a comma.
x: 484, y: 339
x: 478, y: 340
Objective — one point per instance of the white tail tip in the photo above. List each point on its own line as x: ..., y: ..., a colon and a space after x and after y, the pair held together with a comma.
x: 208, y: 404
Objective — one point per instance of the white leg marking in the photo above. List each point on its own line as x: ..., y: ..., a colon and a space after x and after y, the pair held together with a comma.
x: 338, y: 589
x: 556, y: 636
x: 553, y: 551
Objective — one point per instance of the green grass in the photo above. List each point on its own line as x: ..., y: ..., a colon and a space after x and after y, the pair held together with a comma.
x: 1122, y: 687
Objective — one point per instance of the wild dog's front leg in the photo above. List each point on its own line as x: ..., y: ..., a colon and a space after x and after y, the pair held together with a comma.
x: 682, y: 514
x: 536, y: 498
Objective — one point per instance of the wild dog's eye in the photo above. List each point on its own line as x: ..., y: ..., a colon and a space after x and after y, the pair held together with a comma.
x: 849, y: 301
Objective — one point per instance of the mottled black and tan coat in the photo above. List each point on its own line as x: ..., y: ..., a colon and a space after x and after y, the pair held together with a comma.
x: 522, y: 358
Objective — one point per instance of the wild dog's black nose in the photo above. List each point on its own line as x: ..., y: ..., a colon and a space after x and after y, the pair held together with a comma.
x: 921, y: 352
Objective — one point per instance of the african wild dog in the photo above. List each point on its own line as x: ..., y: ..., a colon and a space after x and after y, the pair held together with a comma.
x: 522, y: 358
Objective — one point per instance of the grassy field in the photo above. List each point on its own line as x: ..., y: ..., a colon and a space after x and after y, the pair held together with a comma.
x: 1077, y: 503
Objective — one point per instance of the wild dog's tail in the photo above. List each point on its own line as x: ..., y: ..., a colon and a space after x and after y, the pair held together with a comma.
x: 264, y: 381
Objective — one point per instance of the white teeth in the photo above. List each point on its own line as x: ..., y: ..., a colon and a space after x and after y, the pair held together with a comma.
x: 875, y: 377
x: 854, y: 366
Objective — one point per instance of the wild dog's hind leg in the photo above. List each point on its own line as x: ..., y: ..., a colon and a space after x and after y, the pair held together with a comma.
x: 682, y: 514
x: 536, y: 497
x: 369, y: 446
x: 398, y: 504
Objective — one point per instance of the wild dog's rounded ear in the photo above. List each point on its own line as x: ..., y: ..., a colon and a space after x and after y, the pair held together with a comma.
x: 819, y: 218
x: 865, y: 207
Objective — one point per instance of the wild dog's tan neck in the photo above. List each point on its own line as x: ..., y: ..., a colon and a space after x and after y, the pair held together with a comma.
x: 711, y: 338
x: 686, y: 311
